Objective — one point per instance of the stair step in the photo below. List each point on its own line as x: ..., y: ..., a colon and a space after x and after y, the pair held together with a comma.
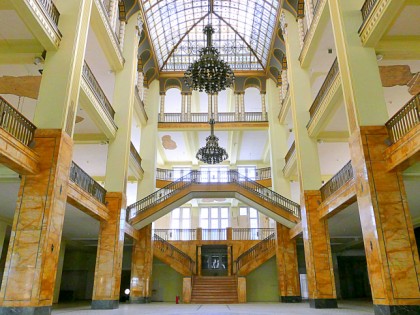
x: 214, y: 290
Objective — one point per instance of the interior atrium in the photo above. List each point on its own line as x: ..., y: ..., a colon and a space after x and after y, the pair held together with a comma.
x: 111, y: 192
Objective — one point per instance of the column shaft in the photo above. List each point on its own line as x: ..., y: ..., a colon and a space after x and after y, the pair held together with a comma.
x: 189, y: 96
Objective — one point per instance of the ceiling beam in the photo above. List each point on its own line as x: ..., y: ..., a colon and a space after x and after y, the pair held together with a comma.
x: 234, y: 145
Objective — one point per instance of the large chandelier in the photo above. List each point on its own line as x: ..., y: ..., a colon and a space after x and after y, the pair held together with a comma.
x: 209, y: 73
x: 211, y: 153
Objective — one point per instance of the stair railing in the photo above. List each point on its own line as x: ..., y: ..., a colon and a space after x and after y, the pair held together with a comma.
x: 255, y: 251
x: 243, y: 234
x: 171, y: 251
x: 177, y: 234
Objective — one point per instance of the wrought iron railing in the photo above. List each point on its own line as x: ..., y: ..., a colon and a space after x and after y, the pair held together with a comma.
x: 177, y: 234
x: 87, y: 183
x: 263, y: 173
x: 113, y: 31
x: 367, y: 8
x: 404, y: 120
x: 290, y: 153
x: 137, y: 95
x: 136, y: 156
x: 323, y: 91
x: 15, y: 123
x: 214, y: 235
x: 229, y: 176
x: 99, y: 93
x: 51, y: 10
x: 337, y: 181
x: 243, y: 234
x: 267, y: 244
x: 164, y: 174
x: 171, y: 251
x: 204, y: 117
x: 308, y: 29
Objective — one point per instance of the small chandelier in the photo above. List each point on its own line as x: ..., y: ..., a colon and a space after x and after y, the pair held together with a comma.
x: 212, y: 153
x: 209, y: 73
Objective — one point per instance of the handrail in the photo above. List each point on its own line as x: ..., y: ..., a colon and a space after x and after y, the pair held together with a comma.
x: 87, y: 183
x: 331, y: 76
x: 404, y: 120
x: 51, y: 10
x: 289, y: 153
x: 204, y: 118
x: 316, y: 9
x: 15, y: 123
x: 177, y: 234
x: 367, y: 8
x: 243, y: 234
x: 337, y: 181
x: 99, y: 93
x: 135, y: 155
x: 214, y: 234
x: 114, y: 34
x: 137, y: 95
x: 172, y: 251
x: 251, y: 254
x: 263, y: 173
x: 229, y: 176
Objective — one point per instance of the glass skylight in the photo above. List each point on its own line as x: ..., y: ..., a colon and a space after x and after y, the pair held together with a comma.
x: 244, y: 29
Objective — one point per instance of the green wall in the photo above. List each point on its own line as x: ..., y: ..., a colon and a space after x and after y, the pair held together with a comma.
x: 167, y: 283
x: 262, y: 284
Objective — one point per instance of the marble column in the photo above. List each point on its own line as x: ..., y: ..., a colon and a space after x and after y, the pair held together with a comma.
x: 141, y: 267
x: 287, y: 266
x: 106, y: 289
x: 315, y: 232
x: 34, y: 247
x: 390, y: 246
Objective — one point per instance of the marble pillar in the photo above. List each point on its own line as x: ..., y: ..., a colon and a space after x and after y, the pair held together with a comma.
x: 34, y: 248
x: 141, y: 267
x: 319, y: 266
x: 287, y: 266
x: 106, y: 288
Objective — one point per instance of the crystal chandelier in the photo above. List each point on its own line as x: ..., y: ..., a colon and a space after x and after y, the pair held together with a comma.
x: 209, y: 73
x: 211, y: 153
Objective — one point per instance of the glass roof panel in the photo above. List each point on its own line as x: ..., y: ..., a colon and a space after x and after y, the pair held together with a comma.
x: 243, y: 31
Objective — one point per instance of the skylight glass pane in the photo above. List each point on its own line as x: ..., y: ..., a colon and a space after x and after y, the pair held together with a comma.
x: 244, y: 30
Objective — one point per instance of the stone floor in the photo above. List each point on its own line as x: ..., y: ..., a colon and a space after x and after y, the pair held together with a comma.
x: 345, y: 307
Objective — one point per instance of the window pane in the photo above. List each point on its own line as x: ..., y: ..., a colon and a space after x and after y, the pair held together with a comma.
x: 214, y: 224
x: 224, y: 223
x: 175, y: 224
x: 252, y: 213
x: 204, y: 213
x: 204, y: 223
x: 186, y: 213
x: 242, y: 211
x: 175, y: 213
x: 253, y: 223
x: 214, y: 212
x: 185, y: 224
x: 224, y: 212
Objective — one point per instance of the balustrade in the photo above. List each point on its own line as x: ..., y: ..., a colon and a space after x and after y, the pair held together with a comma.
x: 87, y: 183
x: 337, y: 181
x: 15, y: 123
x: 135, y: 155
x: 99, y: 93
x: 367, y: 8
x: 243, y: 234
x: 263, y: 173
x: 404, y: 120
x: 51, y: 10
x: 214, y: 235
x: 177, y: 234
x: 258, y: 249
x: 203, y: 117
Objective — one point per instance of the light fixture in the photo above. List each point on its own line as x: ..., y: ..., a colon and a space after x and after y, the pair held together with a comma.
x: 209, y: 73
x: 211, y: 153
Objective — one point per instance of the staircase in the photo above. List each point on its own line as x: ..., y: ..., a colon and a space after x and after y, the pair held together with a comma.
x: 198, y: 184
x: 256, y: 255
x: 218, y: 290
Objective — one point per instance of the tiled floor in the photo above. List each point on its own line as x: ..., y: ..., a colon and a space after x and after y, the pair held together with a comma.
x: 347, y: 308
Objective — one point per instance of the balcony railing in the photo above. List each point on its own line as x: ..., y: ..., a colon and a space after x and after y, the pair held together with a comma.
x: 51, y: 10
x: 99, y: 93
x: 267, y: 244
x: 337, y: 181
x: 204, y: 118
x: 177, y: 234
x: 316, y: 9
x: 243, y: 234
x: 15, y: 123
x: 114, y: 34
x: 290, y: 153
x: 263, y: 173
x: 367, y: 8
x: 84, y: 181
x: 404, y: 120
x: 135, y: 155
x: 142, y: 109
x: 214, y: 235
x: 323, y: 91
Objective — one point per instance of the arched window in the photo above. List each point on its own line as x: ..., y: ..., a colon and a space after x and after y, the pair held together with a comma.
x: 173, y: 101
x: 252, y: 100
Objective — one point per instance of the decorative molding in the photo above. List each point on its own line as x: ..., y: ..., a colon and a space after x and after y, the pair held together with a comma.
x: 290, y: 167
x: 285, y: 106
x: 372, y: 20
x: 138, y: 171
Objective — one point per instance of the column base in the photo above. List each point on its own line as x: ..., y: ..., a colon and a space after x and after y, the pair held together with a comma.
x: 42, y: 310
x: 323, y: 303
x: 140, y: 300
x: 396, y: 309
x: 291, y: 299
x: 105, y: 304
